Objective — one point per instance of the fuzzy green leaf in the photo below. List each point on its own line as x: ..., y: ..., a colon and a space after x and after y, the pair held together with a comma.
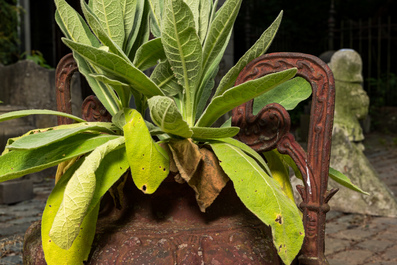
x: 111, y: 18
x: 139, y: 33
x: 165, y: 79
x: 100, y: 32
x: 241, y: 94
x: 73, y: 25
x: 78, y: 195
x: 182, y: 47
x: 81, y: 247
x: 288, y: 95
x: 59, y: 133
x: 117, y: 66
x: 263, y: 196
x: 23, y: 113
x: 206, y: 133
x: 248, y: 150
x: 149, y: 54
x: 149, y: 163
x: 258, y: 49
x: 344, y: 181
x: 166, y: 115
x: 219, y: 31
x: 18, y: 163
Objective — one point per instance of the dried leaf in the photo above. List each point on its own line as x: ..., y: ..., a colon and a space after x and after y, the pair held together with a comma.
x: 209, y: 179
x: 187, y: 157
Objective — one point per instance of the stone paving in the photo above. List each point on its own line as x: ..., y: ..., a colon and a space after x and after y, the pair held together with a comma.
x: 351, y: 239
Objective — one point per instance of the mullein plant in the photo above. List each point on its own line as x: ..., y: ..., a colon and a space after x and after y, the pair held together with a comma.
x: 112, y: 48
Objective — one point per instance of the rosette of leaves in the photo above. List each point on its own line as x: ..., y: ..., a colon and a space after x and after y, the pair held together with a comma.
x: 112, y: 48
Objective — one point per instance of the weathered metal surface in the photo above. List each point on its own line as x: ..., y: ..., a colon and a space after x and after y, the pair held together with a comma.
x: 167, y: 227
x: 93, y: 110
x: 66, y: 67
x: 270, y: 129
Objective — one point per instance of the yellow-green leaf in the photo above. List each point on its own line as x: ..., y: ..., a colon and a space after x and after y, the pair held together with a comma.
x: 82, y: 245
x: 78, y: 195
x: 280, y: 172
x: 149, y: 163
x: 263, y: 196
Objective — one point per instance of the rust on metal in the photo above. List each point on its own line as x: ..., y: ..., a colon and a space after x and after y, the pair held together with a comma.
x: 66, y: 67
x: 313, y: 164
x: 93, y: 110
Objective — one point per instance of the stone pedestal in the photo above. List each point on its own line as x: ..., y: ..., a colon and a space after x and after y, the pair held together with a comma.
x: 16, y: 191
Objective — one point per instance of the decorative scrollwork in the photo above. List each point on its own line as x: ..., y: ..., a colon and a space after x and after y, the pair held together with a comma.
x: 93, y: 110
x: 66, y: 67
x: 264, y: 131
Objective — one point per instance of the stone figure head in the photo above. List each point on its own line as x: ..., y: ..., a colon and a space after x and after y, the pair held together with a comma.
x: 351, y: 101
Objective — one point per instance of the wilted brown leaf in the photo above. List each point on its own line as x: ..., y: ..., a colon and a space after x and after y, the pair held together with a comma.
x: 186, y: 156
x: 209, y: 179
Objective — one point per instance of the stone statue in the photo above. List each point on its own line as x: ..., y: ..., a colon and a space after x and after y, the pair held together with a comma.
x: 351, y: 105
x: 351, y: 101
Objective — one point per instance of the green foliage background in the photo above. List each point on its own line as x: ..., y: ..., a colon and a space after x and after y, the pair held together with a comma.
x: 9, y: 40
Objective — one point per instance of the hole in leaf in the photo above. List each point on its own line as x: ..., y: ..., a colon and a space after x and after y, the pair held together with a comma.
x: 279, y: 219
x: 164, y: 169
x: 144, y: 187
x: 143, y: 168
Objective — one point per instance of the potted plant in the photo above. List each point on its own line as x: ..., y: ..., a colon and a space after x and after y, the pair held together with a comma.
x: 112, y: 49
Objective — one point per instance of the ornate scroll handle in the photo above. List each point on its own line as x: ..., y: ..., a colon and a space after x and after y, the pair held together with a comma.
x: 92, y: 108
x: 266, y: 132
x: 319, y: 142
x: 63, y: 75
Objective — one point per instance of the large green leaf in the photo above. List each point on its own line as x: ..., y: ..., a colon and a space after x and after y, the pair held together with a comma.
x: 263, y: 196
x: 111, y: 17
x: 206, y: 133
x: 78, y: 195
x: 104, y: 93
x: 344, y: 181
x: 73, y: 25
x: 166, y: 115
x: 81, y: 247
x: 23, y: 113
x: 182, y: 47
x: 219, y: 31
x: 59, y: 133
x: 288, y: 94
x: 117, y: 66
x: 248, y: 150
x: 18, y: 163
x: 149, y: 54
x: 149, y: 163
x: 241, y: 94
x: 165, y: 79
x: 112, y: 167
x: 100, y: 32
x: 259, y: 48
